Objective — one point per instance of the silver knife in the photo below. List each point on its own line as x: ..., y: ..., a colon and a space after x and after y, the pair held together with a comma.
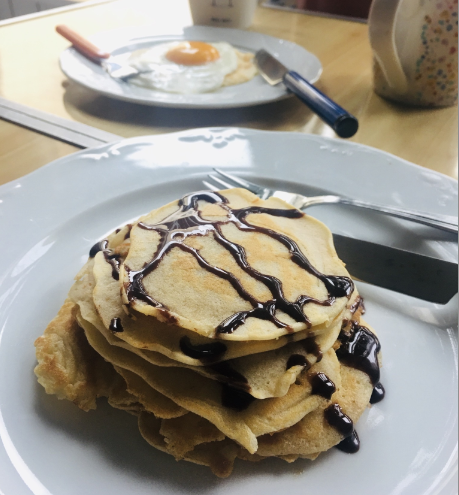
x: 116, y: 68
x: 416, y: 275
x: 274, y: 72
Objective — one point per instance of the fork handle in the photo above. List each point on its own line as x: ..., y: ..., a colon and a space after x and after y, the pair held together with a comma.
x: 437, y: 221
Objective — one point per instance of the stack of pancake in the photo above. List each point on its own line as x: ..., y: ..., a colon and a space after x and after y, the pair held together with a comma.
x: 227, y: 324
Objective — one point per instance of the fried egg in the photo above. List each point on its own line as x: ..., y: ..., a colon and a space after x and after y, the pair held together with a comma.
x: 185, y: 67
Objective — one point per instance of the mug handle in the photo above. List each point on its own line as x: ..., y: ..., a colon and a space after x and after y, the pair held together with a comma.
x: 381, y: 21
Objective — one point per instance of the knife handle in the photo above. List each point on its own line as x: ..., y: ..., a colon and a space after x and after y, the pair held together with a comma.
x: 343, y: 123
x: 84, y: 46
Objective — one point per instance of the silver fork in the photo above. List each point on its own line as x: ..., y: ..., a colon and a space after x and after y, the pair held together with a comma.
x: 227, y: 181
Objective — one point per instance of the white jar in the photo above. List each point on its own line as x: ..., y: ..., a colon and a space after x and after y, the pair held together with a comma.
x: 223, y: 13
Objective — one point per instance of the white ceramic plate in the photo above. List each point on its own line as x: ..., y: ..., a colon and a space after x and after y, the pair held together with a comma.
x: 257, y: 91
x: 51, y: 218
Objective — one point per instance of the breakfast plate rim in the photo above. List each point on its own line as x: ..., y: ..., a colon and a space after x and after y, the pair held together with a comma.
x: 87, y: 74
x: 152, y: 161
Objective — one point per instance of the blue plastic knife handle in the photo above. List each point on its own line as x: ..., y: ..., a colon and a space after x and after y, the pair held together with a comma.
x: 344, y: 124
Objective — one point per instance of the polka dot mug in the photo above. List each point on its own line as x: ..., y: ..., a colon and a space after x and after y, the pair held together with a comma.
x: 415, y: 51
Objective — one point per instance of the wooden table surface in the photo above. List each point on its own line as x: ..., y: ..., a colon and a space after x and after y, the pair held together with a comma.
x: 30, y: 75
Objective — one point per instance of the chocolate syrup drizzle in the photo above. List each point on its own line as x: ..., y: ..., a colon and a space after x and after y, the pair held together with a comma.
x: 235, y: 387
x: 204, y: 352
x: 351, y: 444
x: 298, y: 360
x: 186, y: 222
x: 359, y: 304
x: 336, y: 418
x: 312, y: 347
x: 378, y: 394
x: 344, y: 426
x: 236, y: 399
x: 322, y: 385
x: 116, y: 326
x: 359, y: 349
x: 111, y: 258
x: 230, y: 376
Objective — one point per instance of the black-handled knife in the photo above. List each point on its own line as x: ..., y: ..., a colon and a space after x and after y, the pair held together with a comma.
x: 274, y: 72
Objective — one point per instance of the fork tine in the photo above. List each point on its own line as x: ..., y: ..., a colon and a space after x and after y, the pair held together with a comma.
x: 226, y: 185
x: 240, y: 182
x: 210, y: 186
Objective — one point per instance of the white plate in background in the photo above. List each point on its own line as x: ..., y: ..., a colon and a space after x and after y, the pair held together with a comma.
x: 255, y: 92
x: 51, y: 218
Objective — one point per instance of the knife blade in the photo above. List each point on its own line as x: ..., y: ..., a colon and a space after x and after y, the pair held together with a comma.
x: 274, y: 72
x: 409, y: 273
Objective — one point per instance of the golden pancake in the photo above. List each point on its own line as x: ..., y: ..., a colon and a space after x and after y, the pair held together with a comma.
x: 148, y: 333
x: 265, y: 375
x: 227, y: 324
x: 324, y: 429
x: 204, y: 397
x: 150, y: 399
x: 69, y: 368
x: 234, y: 266
x: 67, y: 365
x: 183, y: 434
x: 313, y: 433
x: 219, y: 456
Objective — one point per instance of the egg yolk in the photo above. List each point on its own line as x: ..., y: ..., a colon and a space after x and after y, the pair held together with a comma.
x: 193, y: 53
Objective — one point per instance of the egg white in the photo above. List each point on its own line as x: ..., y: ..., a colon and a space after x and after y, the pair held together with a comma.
x: 168, y: 76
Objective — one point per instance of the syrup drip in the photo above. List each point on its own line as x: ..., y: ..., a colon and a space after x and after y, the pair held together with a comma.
x: 359, y: 349
x: 236, y: 399
x: 350, y: 445
x: 344, y: 425
x: 203, y: 352
x: 322, y: 385
x: 187, y: 222
x: 378, y: 394
x: 312, y: 347
x: 98, y: 246
x: 337, y: 419
x: 298, y: 360
x: 111, y: 258
x: 116, y: 326
x: 359, y: 304
x: 231, y: 377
